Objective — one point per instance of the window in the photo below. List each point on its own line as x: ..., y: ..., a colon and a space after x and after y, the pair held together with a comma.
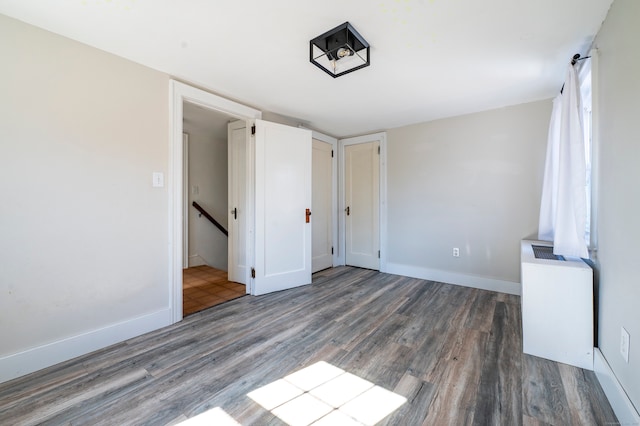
x: 585, y: 78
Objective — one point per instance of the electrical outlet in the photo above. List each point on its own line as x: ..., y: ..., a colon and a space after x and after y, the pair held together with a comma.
x: 624, y: 344
x: 456, y: 252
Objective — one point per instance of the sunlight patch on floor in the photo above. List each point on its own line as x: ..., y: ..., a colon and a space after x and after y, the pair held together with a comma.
x: 323, y: 394
x: 216, y: 416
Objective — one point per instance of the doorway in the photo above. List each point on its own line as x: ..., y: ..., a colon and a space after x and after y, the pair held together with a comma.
x: 205, y: 280
x: 179, y: 94
x: 324, y: 202
x: 363, y: 201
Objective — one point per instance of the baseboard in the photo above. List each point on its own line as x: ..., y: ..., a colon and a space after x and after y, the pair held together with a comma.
x: 25, y: 362
x: 474, y: 281
x: 196, y: 260
x: 620, y: 402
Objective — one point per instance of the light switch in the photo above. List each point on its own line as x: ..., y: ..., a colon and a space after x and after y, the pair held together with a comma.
x: 158, y: 179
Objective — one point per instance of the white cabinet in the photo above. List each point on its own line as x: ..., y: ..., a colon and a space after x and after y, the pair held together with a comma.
x: 557, y: 308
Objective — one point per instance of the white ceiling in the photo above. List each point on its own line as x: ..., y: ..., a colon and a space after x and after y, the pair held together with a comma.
x: 429, y: 58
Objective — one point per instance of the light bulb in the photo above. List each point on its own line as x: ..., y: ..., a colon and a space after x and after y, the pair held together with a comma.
x: 343, y: 51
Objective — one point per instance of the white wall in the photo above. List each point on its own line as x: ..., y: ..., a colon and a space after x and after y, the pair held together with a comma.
x: 619, y: 197
x: 471, y: 182
x: 208, y: 173
x: 83, y: 234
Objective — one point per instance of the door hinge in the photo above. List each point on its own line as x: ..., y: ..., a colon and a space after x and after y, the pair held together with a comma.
x: 378, y: 149
x: 378, y: 254
x: 331, y: 153
x: 331, y: 250
x: 253, y: 273
x: 253, y: 129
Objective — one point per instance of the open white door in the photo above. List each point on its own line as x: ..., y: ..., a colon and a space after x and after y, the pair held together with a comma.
x: 282, y: 207
x: 238, y: 265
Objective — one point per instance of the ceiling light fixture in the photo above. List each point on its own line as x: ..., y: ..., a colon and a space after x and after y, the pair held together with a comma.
x: 339, y: 51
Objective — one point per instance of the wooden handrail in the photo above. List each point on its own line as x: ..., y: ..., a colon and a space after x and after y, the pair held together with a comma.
x: 208, y: 216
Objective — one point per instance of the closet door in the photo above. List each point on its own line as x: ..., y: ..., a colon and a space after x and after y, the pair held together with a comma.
x: 362, y: 195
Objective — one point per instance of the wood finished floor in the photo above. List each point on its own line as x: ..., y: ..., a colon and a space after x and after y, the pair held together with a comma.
x: 454, y: 353
x: 204, y: 287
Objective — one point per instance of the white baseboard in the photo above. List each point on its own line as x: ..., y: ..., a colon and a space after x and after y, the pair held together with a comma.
x: 196, y: 260
x: 474, y: 281
x: 25, y: 362
x: 620, y: 402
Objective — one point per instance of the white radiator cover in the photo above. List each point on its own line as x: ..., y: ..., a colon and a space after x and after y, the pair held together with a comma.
x: 557, y: 308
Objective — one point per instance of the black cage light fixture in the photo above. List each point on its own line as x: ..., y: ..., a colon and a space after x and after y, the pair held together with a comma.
x: 339, y: 51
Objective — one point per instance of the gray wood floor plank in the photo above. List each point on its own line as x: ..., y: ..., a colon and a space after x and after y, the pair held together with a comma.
x: 451, y: 325
x: 531, y: 421
x: 579, y: 390
x: 430, y: 350
x: 543, y: 393
x: 419, y: 395
x: 481, y: 311
x: 422, y: 292
x: 456, y: 386
x: 32, y: 386
x: 454, y: 352
x: 498, y: 400
x: 508, y: 298
x: 59, y: 404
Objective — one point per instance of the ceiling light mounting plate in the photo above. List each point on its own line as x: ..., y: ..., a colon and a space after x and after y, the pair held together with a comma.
x: 339, y: 51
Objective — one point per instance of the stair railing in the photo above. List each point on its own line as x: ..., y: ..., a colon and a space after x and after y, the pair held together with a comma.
x: 204, y: 213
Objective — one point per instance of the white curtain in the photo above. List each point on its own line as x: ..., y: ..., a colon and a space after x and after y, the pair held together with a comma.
x: 563, y: 209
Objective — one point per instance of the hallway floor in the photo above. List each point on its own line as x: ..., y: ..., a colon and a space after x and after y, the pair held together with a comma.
x: 204, y: 287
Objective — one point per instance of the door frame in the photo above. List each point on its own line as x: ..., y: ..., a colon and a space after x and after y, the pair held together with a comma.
x: 380, y: 137
x: 179, y: 93
x: 185, y: 200
x: 334, y: 192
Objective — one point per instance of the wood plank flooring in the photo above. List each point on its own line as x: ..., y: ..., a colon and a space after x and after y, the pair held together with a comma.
x: 454, y: 353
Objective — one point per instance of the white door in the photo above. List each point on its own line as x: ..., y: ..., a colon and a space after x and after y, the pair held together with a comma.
x: 362, y: 194
x: 238, y: 265
x: 282, y: 207
x: 321, y: 206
